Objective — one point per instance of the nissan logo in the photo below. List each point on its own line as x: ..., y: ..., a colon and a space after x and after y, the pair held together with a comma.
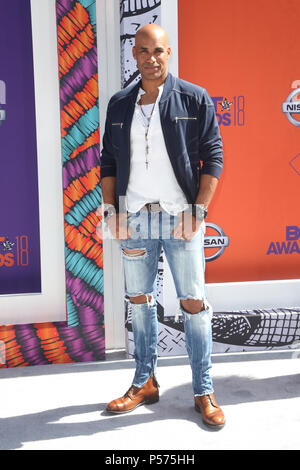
x: 218, y: 241
x: 291, y: 106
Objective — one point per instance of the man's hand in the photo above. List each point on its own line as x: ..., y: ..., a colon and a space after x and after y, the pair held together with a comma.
x: 187, y: 227
x: 117, y: 225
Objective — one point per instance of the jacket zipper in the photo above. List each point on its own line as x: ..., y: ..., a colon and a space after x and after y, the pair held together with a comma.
x: 117, y: 124
x: 177, y: 118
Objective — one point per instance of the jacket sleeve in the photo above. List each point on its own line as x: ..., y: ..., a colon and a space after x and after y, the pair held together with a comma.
x: 211, y: 147
x: 107, y: 160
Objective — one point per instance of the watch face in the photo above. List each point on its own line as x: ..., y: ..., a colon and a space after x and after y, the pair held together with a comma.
x: 108, y: 211
x: 108, y: 214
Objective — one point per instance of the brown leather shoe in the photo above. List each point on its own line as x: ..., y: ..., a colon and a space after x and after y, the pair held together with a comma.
x: 212, y: 415
x: 134, y: 397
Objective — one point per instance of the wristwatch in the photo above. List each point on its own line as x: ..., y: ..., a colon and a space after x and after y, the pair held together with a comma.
x: 108, y: 211
x: 199, y: 211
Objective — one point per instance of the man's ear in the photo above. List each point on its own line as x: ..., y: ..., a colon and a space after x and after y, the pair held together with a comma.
x: 133, y: 52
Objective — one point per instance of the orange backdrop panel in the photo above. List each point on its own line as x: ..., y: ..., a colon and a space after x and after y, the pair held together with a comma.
x: 248, y: 53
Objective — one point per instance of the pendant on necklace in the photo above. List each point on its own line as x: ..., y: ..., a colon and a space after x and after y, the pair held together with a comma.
x: 147, y: 151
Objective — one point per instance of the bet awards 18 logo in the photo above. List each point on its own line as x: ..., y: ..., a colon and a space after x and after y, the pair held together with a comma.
x: 230, y: 111
x: 2, y: 101
x: 14, y: 253
x: 289, y: 246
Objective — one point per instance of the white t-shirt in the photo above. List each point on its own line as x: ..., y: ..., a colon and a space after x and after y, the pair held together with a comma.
x: 157, y: 183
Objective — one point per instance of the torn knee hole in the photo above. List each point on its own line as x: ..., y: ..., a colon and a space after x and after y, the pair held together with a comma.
x: 192, y: 305
x: 134, y: 253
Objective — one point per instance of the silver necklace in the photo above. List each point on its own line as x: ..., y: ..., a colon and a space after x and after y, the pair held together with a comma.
x: 146, y: 134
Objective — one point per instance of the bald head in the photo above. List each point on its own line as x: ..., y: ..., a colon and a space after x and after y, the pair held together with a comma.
x: 152, y: 52
x: 152, y: 31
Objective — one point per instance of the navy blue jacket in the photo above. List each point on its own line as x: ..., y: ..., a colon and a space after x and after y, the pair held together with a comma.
x: 190, y: 130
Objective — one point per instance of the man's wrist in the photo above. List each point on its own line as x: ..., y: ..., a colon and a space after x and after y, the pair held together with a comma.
x: 199, y: 211
x: 108, y: 211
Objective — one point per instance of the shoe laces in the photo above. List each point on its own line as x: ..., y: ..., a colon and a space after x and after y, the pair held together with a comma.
x: 131, y: 391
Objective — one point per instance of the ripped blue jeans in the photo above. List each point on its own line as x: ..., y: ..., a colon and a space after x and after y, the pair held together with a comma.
x: 151, y: 232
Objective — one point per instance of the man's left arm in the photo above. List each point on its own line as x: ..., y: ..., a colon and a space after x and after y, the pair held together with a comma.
x: 210, y: 145
x: 211, y: 155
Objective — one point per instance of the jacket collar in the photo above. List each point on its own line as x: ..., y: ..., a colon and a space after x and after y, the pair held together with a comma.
x: 168, y: 88
x: 169, y: 84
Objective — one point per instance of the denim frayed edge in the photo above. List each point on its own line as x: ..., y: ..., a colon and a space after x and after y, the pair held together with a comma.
x: 203, y: 394
x: 151, y: 375
x: 133, y: 256
x: 149, y: 303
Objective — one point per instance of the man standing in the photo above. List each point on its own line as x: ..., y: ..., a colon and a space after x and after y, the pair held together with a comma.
x: 160, y: 164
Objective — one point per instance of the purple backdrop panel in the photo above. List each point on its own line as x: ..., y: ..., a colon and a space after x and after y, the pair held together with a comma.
x: 19, y: 221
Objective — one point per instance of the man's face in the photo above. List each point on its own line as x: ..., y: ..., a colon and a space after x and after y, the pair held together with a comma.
x: 152, y: 53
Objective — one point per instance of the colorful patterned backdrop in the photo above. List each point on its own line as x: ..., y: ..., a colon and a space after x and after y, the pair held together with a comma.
x: 78, y: 76
x: 81, y: 338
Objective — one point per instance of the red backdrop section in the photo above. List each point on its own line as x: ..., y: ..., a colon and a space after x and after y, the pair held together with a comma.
x: 246, y: 54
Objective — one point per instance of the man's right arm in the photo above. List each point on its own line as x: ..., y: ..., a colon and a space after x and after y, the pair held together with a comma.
x: 108, y: 164
x: 107, y: 161
x: 116, y: 223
